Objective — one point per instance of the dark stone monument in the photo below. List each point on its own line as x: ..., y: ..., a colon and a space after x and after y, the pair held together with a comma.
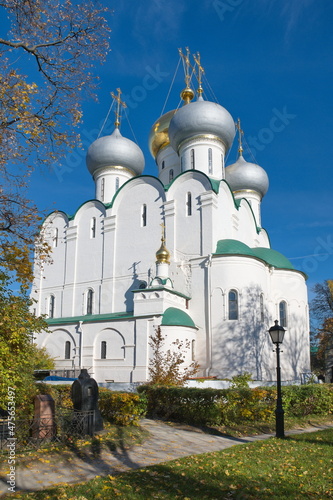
x: 84, y: 394
x: 44, y: 426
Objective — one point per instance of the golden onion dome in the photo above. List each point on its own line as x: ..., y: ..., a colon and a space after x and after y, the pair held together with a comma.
x: 187, y: 95
x: 159, y: 137
x: 163, y: 254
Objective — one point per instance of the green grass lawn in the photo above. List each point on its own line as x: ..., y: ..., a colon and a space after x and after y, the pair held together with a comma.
x: 298, y: 467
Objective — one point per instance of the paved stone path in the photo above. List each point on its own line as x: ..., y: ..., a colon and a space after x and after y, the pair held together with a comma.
x: 164, y: 443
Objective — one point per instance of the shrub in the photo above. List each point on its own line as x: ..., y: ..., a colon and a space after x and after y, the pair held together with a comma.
x: 122, y: 408
x: 60, y: 393
x: 302, y: 400
x: 234, y: 406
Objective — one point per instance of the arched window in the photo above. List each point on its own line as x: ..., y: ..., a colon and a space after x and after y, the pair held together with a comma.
x: 143, y: 215
x: 51, y: 306
x: 262, y: 309
x: 181, y: 164
x: 210, y: 160
x: 102, y: 189
x: 192, y: 159
x: 55, y: 238
x: 171, y: 175
x: 283, y: 313
x: 117, y: 183
x: 193, y: 350
x: 103, y: 349
x: 93, y: 227
x: 67, y: 349
x: 233, y: 304
x: 163, y: 164
x: 90, y: 298
x: 188, y: 204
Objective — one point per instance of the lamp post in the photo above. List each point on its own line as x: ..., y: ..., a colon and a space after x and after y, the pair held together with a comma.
x: 277, y: 334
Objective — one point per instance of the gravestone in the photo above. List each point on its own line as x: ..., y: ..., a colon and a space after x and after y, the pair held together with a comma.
x: 84, y: 394
x: 44, y: 426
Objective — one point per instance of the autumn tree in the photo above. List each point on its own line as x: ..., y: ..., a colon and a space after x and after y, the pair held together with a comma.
x: 322, y: 310
x: 48, y: 49
x: 166, y: 366
x: 19, y: 356
x: 46, y: 57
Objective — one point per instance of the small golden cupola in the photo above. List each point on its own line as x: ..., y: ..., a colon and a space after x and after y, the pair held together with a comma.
x: 163, y: 254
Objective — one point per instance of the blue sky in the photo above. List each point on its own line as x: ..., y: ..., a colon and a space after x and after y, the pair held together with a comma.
x: 269, y: 62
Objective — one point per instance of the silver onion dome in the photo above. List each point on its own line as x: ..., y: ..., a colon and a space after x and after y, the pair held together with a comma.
x: 115, y: 151
x: 243, y: 175
x: 201, y: 118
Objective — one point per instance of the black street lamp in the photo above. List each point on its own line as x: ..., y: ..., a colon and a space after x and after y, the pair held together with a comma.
x: 277, y: 334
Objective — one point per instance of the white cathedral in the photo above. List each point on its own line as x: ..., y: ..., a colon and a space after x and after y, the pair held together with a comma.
x: 212, y: 280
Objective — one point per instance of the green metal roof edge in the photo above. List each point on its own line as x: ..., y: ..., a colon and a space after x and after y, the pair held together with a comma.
x: 56, y: 212
x: 176, y: 317
x: 109, y: 205
x: 91, y: 318
x: 72, y: 217
x: 159, y: 288
x: 215, y: 184
x: 257, y: 256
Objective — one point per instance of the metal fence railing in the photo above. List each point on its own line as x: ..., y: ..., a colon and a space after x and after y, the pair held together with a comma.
x: 37, y: 431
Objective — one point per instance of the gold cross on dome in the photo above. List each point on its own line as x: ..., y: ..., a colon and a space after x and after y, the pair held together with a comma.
x: 119, y: 103
x: 240, y: 133
x: 163, y: 231
x: 187, y: 64
x: 201, y: 71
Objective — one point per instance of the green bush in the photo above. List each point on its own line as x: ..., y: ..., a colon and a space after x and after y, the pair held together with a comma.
x: 122, y: 408
x: 235, y: 405
x: 60, y: 393
x: 302, y: 400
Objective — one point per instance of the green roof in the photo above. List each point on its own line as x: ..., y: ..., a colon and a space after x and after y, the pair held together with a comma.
x: 271, y: 257
x: 233, y: 247
x: 90, y: 318
x: 175, y: 317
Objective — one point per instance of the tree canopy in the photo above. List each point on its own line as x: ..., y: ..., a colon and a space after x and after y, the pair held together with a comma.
x: 46, y: 56
x: 48, y: 49
x: 322, y: 309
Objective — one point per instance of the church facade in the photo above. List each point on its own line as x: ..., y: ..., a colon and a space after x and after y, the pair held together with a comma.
x: 184, y: 251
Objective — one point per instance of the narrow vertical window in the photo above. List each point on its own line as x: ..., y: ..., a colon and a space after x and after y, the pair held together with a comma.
x: 193, y: 350
x: 55, y: 237
x: 102, y: 189
x: 171, y: 175
x: 103, y: 349
x: 144, y: 215
x: 67, y: 349
x: 210, y: 160
x: 117, y: 183
x: 233, y: 304
x: 93, y: 227
x: 51, y: 306
x: 188, y: 204
x: 262, y: 310
x: 163, y: 164
x: 181, y: 164
x: 90, y: 296
x: 192, y: 159
x: 283, y: 313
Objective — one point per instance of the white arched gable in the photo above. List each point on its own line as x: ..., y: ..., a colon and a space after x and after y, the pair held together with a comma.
x: 91, y: 206
x: 55, y: 342
x: 142, y: 182
x: 115, y: 344
x: 190, y: 178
